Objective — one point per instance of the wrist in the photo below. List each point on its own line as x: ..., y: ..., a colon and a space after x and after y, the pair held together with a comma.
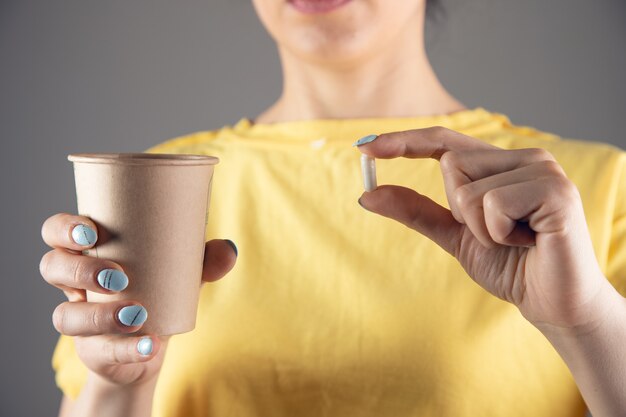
x: 604, y: 308
x: 100, y: 398
x: 593, y: 352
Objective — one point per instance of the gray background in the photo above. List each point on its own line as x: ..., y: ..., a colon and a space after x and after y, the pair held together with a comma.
x: 123, y: 75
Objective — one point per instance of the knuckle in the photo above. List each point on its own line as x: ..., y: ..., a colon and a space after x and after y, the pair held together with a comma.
x: 540, y: 154
x: 567, y: 190
x: 463, y: 196
x: 552, y: 167
x: 490, y: 200
x: 449, y: 161
x: 437, y: 131
x: 99, y: 318
x: 95, y: 319
x: 80, y: 272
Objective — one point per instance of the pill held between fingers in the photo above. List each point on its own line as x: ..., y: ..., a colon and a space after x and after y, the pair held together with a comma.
x: 368, y: 170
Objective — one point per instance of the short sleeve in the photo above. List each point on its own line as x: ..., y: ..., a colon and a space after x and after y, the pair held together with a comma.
x: 70, y: 372
x: 616, y: 265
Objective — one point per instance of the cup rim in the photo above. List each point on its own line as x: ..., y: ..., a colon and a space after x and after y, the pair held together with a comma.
x: 142, y: 159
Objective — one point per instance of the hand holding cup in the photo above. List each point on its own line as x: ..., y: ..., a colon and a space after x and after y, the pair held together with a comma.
x: 107, y: 311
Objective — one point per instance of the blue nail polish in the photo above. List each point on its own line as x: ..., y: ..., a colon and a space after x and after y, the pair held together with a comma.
x: 112, y: 279
x: 365, y: 139
x: 144, y: 346
x: 132, y: 315
x: 232, y: 245
x: 84, y: 235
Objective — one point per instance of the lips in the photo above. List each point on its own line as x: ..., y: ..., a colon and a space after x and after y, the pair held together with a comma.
x: 317, y: 6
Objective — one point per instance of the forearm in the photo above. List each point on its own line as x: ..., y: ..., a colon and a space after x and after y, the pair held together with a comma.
x: 100, y: 398
x: 596, y: 356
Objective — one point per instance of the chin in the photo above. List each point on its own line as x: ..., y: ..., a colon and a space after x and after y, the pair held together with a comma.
x: 340, y: 35
x: 329, y: 42
x: 336, y: 32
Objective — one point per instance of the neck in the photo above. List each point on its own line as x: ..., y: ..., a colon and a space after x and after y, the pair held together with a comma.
x: 392, y: 83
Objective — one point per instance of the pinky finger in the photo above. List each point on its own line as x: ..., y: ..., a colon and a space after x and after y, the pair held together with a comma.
x: 104, y: 351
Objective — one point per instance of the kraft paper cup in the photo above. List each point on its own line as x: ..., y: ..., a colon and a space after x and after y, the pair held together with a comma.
x: 151, y: 211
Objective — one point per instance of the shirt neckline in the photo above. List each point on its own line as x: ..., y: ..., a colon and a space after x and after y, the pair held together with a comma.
x: 314, y: 128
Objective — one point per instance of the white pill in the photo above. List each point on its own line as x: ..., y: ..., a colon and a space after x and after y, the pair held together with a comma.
x: 368, y: 169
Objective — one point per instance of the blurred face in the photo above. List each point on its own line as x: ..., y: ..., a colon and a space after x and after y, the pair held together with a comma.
x: 339, y: 31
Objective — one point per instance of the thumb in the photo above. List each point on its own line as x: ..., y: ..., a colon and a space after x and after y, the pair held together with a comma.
x: 415, y: 211
x: 219, y: 258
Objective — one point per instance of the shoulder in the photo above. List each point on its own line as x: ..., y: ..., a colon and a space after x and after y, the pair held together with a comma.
x: 575, y: 155
x: 597, y: 169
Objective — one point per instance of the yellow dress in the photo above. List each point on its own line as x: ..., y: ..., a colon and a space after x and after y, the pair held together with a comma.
x: 334, y: 311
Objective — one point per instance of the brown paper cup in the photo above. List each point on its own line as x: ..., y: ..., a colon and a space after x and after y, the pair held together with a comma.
x: 151, y: 211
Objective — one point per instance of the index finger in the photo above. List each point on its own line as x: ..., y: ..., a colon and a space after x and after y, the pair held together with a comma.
x: 431, y: 142
x: 70, y: 232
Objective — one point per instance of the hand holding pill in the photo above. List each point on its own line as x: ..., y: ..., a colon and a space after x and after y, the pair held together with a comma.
x: 523, y: 250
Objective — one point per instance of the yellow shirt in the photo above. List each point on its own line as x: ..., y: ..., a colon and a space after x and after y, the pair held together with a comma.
x: 334, y: 311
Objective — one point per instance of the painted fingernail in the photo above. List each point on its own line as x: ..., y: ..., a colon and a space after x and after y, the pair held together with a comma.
x: 132, y: 315
x: 112, y: 279
x: 232, y: 245
x: 84, y: 235
x: 144, y: 346
x: 365, y: 139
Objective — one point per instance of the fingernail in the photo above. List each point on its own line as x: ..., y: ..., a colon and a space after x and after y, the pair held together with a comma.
x: 112, y: 279
x: 232, y: 245
x: 84, y: 235
x: 365, y: 139
x: 132, y: 315
x: 144, y: 346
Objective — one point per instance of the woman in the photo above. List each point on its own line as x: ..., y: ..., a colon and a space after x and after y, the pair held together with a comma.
x: 332, y: 310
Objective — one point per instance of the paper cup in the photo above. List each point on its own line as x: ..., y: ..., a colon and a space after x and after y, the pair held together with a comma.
x: 151, y: 211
